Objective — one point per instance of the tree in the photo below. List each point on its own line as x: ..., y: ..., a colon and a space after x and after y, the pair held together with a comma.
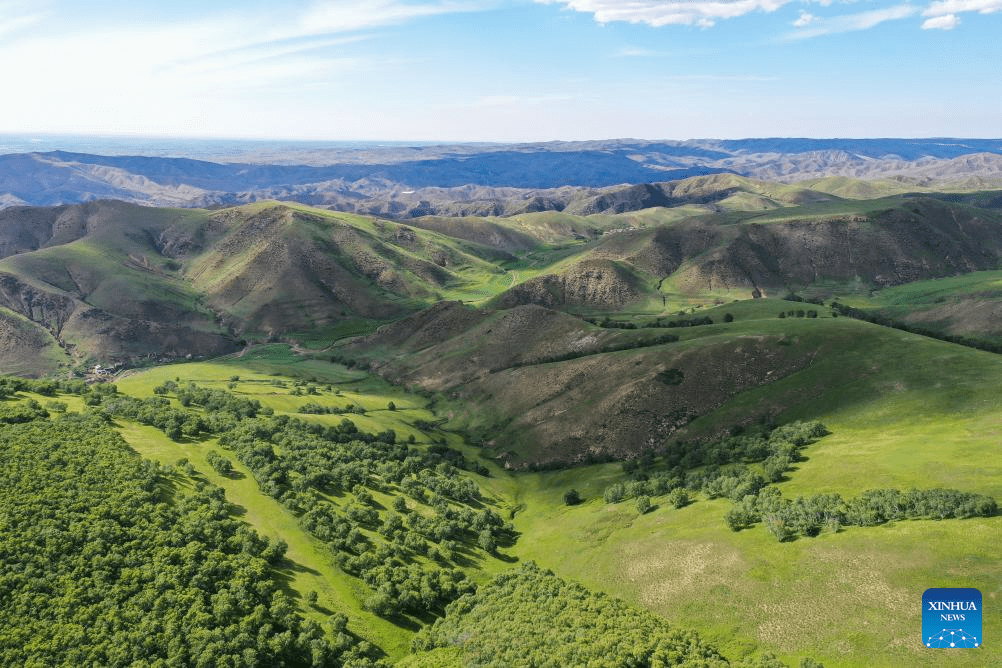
x: 728, y: 317
x: 572, y: 497
x: 778, y: 528
x: 391, y: 406
x: 486, y: 541
x: 614, y: 493
x: 643, y: 504
x: 678, y: 497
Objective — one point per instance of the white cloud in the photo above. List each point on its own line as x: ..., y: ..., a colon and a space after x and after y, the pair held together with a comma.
x: 806, y: 18
x: 940, y: 14
x: 224, y: 43
x: 945, y: 7
x: 853, y: 22
x: 946, y: 22
x: 659, y: 13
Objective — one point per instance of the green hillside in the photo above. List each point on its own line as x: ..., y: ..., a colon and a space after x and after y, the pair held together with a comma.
x: 119, y: 284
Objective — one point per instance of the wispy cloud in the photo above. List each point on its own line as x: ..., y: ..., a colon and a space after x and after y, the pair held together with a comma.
x: 233, y: 67
x: 817, y: 27
x: 636, y: 52
x: 658, y: 13
x: 18, y: 17
x: 495, y: 101
x: 220, y: 49
x: 254, y: 55
x: 720, y: 77
x: 341, y: 16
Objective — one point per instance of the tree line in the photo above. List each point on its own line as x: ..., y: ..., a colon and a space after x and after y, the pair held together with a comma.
x: 808, y: 516
x: 884, y: 321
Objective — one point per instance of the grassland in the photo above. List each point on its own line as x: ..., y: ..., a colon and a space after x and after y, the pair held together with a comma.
x: 906, y: 412
x: 909, y: 412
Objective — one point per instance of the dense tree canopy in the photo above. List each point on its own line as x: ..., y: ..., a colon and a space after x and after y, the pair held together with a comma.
x: 102, y: 563
x: 500, y: 626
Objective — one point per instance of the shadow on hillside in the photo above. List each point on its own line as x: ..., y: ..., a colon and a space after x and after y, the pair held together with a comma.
x: 297, y: 567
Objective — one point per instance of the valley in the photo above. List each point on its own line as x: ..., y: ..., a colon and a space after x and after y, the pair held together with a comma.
x: 407, y: 404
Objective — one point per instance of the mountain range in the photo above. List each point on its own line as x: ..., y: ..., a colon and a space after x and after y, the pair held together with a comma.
x: 484, y: 179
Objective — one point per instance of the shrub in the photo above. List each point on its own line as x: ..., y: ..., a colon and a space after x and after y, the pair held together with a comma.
x: 671, y: 376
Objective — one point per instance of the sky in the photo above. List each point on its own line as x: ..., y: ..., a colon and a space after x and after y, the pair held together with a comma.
x: 502, y: 70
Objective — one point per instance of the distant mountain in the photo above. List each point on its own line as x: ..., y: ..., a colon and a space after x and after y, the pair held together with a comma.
x: 476, y: 179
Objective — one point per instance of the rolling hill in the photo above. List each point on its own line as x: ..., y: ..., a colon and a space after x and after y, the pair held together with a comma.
x: 116, y: 283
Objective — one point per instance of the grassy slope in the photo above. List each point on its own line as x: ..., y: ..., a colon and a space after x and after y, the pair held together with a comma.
x: 311, y: 564
x: 27, y: 348
x: 967, y: 305
x: 926, y: 415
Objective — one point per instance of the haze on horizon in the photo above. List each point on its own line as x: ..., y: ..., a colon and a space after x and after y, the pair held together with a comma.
x: 502, y: 70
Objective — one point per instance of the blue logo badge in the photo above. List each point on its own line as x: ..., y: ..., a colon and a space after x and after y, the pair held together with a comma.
x: 951, y: 618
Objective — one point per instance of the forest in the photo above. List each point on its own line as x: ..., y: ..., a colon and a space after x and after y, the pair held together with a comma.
x: 104, y: 563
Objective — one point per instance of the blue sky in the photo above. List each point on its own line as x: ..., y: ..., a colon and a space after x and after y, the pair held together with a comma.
x: 503, y: 70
